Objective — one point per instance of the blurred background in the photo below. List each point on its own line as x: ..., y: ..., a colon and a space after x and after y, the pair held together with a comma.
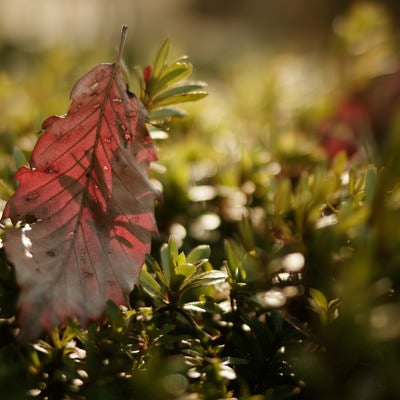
x: 309, y: 45
x: 208, y: 27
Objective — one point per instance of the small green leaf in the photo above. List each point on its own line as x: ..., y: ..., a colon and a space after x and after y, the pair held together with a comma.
x: 181, y: 89
x: 185, y: 270
x: 351, y: 184
x: 165, y: 113
x: 207, y: 278
x: 166, y: 262
x: 155, y: 266
x: 360, y: 183
x: 181, y: 259
x: 183, y: 98
x: 350, y: 217
x: 160, y: 59
x: 234, y: 264
x: 339, y: 163
x: 169, y: 259
x: 173, y: 251
x: 247, y: 233
x: 150, y: 285
x: 283, y: 196
x: 319, y: 298
x: 199, y: 253
x: 138, y: 71
x: 172, y: 74
x: 116, y: 317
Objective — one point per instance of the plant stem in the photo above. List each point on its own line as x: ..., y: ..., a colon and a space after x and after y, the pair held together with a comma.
x: 122, y: 44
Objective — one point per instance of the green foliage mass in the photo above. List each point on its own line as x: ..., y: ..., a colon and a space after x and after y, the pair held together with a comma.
x: 276, y: 272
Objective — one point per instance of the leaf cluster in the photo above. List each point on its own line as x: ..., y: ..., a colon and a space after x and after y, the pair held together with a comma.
x: 163, y: 85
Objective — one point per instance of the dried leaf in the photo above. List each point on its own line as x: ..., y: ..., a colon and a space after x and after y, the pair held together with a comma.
x: 85, y: 205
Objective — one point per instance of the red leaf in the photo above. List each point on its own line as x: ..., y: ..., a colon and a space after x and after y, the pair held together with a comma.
x: 86, y: 205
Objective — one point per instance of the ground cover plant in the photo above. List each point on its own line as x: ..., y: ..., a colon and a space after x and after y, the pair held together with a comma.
x: 275, y: 270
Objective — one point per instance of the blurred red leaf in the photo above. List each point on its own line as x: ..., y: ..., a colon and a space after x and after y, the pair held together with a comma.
x: 86, y: 206
x: 367, y: 112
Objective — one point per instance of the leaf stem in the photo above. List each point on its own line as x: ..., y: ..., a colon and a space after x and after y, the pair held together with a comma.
x: 122, y: 44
